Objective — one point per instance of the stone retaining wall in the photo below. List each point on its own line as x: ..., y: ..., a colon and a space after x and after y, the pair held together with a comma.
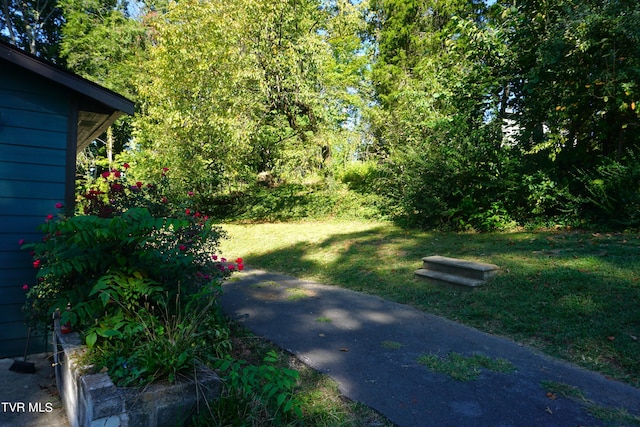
x: 92, y: 400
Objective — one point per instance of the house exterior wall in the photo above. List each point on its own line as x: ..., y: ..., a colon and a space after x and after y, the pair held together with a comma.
x: 34, y: 141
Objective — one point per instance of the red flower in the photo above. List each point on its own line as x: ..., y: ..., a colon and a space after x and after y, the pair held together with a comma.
x: 190, y: 193
x: 36, y: 263
x: 197, y: 215
x: 21, y: 242
x: 116, y: 173
x: 116, y: 187
x: 164, y: 200
x: 139, y: 184
x: 25, y: 287
x: 49, y: 217
x: 187, y: 211
x: 106, y: 174
x: 183, y: 248
x: 59, y: 205
x: 239, y: 260
x: 165, y: 169
x: 125, y: 165
x: 240, y: 267
x: 231, y: 267
x: 214, y: 257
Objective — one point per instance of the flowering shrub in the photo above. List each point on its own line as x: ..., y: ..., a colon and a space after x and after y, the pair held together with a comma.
x: 127, y: 269
x: 112, y: 194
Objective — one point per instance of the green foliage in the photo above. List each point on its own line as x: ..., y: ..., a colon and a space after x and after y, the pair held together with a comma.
x: 360, y: 176
x: 451, y: 180
x: 513, y: 110
x: 555, y: 83
x: 134, y: 252
x: 247, y: 384
x: 33, y: 26
x: 116, y: 269
x: 612, y: 193
x: 279, y: 83
x: 576, y: 91
x: 295, y: 202
x: 157, y: 341
x: 100, y: 40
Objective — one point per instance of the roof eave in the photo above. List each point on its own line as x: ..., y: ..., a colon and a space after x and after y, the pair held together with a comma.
x: 66, y: 78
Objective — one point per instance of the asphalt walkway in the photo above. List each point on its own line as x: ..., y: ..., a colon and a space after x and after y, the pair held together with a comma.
x: 371, y: 346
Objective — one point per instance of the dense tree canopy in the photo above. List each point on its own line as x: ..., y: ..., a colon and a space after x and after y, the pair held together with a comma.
x: 500, y: 113
x: 234, y: 89
x: 471, y: 113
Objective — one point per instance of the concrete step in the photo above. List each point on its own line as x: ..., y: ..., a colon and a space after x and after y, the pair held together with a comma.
x: 452, y: 280
x: 458, y: 267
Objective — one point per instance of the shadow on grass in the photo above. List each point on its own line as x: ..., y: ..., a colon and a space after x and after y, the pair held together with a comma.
x: 574, y: 295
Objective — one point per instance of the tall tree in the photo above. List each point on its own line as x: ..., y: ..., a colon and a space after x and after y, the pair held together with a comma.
x: 101, y: 41
x: 576, y: 77
x: 438, y: 80
x: 32, y: 25
x: 237, y: 88
x: 196, y: 93
x: 560, y: 75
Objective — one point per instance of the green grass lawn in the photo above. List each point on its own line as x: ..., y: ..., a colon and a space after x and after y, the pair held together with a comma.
x: 574, y: 295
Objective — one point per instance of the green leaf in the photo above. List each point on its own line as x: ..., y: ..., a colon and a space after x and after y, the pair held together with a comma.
x: 91, y: 339
x: 105, y: 297
x: 108, y: 333
x: 281, y: 398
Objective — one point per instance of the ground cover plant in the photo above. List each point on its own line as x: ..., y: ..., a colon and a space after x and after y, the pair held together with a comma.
x: 464, y: 368
x: 616, y: 417
x: 570, y: 293
x: 315, y: 395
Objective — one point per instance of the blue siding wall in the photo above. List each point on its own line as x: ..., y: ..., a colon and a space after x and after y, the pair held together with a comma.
x: 33, y: 143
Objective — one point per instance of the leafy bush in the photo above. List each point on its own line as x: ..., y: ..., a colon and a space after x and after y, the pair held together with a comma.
x: 263, y: 386
x: 612, y: 193
x: 295, y: 202
x: 159, y: 342
x: 117, y: 267
x: 360, y: 176
x: 450, y: 180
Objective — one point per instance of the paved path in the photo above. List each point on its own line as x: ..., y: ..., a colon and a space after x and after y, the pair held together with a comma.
x: 370, y: 347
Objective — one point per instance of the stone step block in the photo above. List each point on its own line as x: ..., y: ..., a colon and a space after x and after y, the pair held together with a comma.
x: 439, y: 278
x: 458, y: 267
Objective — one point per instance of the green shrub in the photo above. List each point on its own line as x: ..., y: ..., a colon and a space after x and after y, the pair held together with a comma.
x: 612, y: 193
x: 264, y: 385
x: 360, y: 176
x: 112, y: 272
x: 449, y: 180
x: 295, y: 202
